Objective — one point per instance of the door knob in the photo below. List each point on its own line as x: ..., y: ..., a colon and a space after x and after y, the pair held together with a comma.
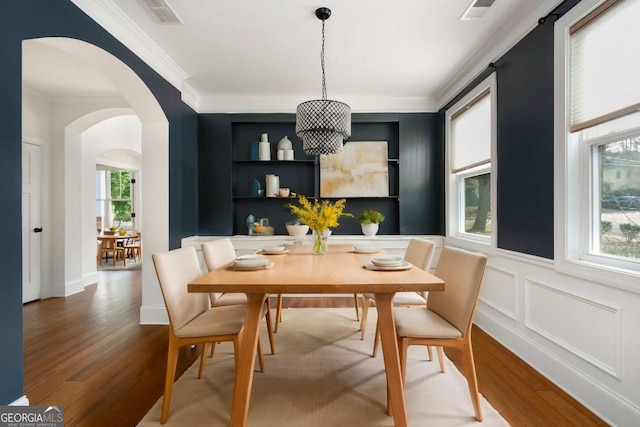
x: 37, y: 230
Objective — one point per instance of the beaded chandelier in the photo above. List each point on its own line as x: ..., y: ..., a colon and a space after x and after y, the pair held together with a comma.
x: 323, y: 125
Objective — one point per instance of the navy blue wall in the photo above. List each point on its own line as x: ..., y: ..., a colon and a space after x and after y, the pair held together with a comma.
x: 26, y: 19
x: 525, y: 145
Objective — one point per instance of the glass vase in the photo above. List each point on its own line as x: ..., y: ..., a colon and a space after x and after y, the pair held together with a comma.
x: 320, y: 242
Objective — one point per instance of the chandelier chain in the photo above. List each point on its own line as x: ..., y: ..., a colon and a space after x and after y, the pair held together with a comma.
x: 324, y: 83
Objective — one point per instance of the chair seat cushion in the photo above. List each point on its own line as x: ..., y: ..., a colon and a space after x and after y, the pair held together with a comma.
x: 422, y: 323
x: 215, y: 321
x: 230, y: 299
x: 404, y: 298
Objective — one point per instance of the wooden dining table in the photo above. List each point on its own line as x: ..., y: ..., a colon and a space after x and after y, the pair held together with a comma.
x: 298, y: 271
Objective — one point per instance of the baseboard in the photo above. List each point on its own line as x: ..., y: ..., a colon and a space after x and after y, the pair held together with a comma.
x: 613, y: 408
x: 73, y: 287
x: 22, y: 401
x: 153, y: 315
x: 90, y: 279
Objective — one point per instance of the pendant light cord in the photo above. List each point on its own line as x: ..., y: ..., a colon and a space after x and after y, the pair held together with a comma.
x: 324, y: 83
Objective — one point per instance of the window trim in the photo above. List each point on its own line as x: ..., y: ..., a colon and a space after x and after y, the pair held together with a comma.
x: 572, y: 196
x: 453, y: 178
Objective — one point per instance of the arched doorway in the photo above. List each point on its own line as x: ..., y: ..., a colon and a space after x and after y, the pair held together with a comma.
x: 67, y: 124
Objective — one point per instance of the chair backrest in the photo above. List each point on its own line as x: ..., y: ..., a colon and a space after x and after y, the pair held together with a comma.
x: 175, y: 269
x: 420, y: 253
x: 462, y: 272
x: 218, y: 253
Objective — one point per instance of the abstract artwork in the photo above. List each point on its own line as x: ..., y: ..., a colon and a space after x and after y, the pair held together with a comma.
x: 360, y: 170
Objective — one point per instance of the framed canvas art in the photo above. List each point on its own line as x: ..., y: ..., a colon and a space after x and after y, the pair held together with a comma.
x: 361, y: 169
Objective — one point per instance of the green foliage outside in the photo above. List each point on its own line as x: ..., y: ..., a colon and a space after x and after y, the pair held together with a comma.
x: 121, y: 189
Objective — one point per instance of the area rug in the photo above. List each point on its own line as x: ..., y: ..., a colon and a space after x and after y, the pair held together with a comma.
x: 322, y: 375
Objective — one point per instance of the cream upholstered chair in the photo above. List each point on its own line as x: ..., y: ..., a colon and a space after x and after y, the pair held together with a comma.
x: 218, y: 253
x: 447, y: 320
x: 191, y: 319
x: 419, y: 253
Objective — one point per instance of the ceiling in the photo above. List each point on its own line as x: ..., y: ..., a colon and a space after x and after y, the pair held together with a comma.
x: 264, y: 56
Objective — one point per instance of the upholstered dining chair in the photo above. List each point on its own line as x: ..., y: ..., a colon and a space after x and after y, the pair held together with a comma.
x: 191, y: 319
x: 419, y: 252
x: 218, y: 253
x: 448, y: 317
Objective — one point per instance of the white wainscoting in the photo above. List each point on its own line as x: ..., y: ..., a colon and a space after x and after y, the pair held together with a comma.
x: 583, y: 335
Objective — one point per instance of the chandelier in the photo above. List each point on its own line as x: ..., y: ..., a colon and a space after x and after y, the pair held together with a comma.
x: 323, y: 125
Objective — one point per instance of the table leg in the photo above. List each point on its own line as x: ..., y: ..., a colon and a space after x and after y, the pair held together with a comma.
x: 384, y: 304
x: 246, y: 360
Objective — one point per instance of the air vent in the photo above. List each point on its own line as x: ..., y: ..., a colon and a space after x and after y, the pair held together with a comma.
x: 476, y: 9
x: 162, y: 11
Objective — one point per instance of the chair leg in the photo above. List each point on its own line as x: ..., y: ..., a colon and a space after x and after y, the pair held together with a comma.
x: 172, y: 360
x: 470, y: 373
x: 278, y: 311
x: 376, y: 340
x: 441, y: 358
x: 355, y: 301
x: 213, y: 349
x: 430, y: 353
x: 272, y: 343
x: 260, y: 356
x: 363, y: 318
x: 203, y: 360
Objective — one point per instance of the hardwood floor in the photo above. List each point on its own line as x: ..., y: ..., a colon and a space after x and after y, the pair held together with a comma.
x: 88, y: 353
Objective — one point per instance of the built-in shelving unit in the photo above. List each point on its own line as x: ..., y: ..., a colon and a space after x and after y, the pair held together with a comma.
x: 302, y: 176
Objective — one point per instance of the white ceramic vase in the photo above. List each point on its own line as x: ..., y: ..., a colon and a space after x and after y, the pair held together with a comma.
x: 370, y: 229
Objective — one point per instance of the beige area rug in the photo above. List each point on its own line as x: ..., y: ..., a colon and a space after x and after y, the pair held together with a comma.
x: 322, y: 375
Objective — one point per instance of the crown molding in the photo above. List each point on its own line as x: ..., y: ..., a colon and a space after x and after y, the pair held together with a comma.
x: 288, y: 104
x: 114, y: 21
x: 518, y: 26
x: 190, y: 96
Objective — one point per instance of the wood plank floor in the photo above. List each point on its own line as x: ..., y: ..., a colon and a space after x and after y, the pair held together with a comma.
x: 88, y: 353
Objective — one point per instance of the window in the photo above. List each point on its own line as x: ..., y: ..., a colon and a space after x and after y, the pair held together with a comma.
x: 600, y: 205
x: 114, y: 198
x: 470, y: 135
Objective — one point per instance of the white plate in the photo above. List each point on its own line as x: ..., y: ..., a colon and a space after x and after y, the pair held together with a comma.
x: 387, y: 260
x: 251, y: 268
x: 365, y: 249
x: 266, y: 251
x: 404, y: 265
x: 275, y: 248
x: 253, y: 260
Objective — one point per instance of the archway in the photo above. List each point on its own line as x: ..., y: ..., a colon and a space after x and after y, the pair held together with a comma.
x: 66, y: 131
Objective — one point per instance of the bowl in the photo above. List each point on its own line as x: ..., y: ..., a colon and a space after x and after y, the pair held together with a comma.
x: 297, y: 230
x: 387, y: 260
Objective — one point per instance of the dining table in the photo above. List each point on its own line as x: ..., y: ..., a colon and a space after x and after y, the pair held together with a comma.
x: 298, y: 271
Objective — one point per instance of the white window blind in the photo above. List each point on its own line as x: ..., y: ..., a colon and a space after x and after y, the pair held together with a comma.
x: 605, y: 64
x: 471, y: 134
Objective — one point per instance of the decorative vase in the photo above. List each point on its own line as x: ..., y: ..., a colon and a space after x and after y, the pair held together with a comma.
x: 320, y: 241
x: 369, y: 229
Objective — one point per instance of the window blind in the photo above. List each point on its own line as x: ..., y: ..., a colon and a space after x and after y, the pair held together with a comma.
x: 471, y: 134
x: 605, y: 64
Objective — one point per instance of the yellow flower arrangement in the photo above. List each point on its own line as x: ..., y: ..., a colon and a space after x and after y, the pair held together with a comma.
x: 319, y: 216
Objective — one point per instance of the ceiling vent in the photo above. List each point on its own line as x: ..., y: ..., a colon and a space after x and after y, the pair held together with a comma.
x: 162, y: 11
x: 476, y: 9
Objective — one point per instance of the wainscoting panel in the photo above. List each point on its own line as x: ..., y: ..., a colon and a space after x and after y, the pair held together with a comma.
x: 588, y: 329
x: 499, y: 291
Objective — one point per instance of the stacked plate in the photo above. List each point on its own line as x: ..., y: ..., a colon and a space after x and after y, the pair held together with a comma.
x: 251, y: 262
x: 365, y: 248
x: 388, y: 262
x: 274, y: 250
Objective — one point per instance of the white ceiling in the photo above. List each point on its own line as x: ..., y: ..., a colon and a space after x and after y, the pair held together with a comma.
x: 264, y: 56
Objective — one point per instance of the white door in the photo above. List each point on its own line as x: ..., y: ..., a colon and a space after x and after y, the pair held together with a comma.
x: 31, y: 222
